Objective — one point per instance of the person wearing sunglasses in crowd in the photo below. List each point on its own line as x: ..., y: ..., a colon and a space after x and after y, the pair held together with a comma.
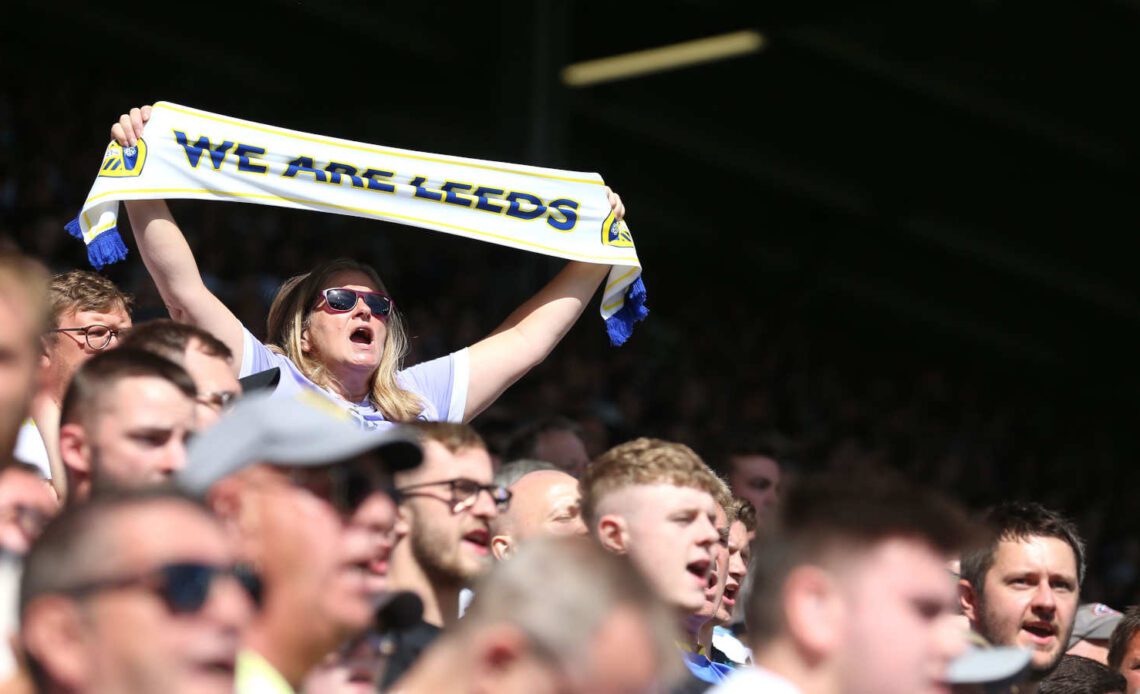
x: 335, y: 329
x: 125, y: 421
x: 288, y: 476
x: 447, y: 506
x: 205, y: 358
x: 134, y: 592
x: 88, y: 314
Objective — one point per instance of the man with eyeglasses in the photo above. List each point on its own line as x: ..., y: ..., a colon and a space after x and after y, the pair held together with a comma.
x: 134, y: 592
x: 447, y: 506
x: 88, y: 315
x: 287, y: 476
x: 125, y: 420
x: 206, y: 358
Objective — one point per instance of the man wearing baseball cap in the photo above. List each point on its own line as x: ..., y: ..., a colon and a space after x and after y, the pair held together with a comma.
x: 1091, y: 630
x: 286, y: 475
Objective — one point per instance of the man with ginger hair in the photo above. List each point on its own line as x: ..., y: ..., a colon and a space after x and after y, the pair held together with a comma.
x: 88, y: 315
x: 656, y: 502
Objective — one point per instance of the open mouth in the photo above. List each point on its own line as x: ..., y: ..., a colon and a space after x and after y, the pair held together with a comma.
x: 362, y: 335
x: 1040, y: 631
x: 730, y: 595
x: 222, y: 666
x: 700, y: 570
x: 480, y: 538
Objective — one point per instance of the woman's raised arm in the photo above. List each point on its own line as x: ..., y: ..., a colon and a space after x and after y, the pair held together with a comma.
x: 529, y: 334
x: 169, y: 259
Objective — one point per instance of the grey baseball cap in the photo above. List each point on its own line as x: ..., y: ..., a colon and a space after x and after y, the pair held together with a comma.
x: 1094, y: 621
x: 302, y: 431
x: 982, y: 663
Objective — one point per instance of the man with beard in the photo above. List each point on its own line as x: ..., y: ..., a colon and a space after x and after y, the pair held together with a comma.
x: 447, y: 506
x: 125, y: 420
x: 1022, y: 589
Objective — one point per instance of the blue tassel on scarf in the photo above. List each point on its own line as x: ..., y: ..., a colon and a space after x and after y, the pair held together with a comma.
x: 620, y: 325
x: 104, y: 249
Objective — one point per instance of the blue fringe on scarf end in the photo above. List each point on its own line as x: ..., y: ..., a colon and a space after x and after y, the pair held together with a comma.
x: 620, y: 325
x: 104, y: 249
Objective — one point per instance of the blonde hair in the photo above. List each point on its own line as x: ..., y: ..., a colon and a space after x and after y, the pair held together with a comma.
x: 289, y: 318
x: 647, y: 461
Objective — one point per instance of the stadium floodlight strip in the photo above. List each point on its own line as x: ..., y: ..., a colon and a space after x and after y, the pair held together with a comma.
x: 678, y: 55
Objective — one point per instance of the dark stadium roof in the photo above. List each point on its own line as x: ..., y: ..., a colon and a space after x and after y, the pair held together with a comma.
x: 949, y: 176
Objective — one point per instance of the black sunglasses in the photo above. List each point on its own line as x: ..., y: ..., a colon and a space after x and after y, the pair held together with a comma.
x: 342, y: 300
x: 345, y: 485
x: 184, y: 586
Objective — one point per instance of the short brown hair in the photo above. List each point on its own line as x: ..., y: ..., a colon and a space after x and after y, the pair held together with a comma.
x: 100, y: 373
x: 451, y: 435
x: 824, y: 518
x: 744, y: 512
x: 1125, y: 629
x: 646, y: 461
x: 1017, y: 521
x: 79, y: 290
x: 170, y: 339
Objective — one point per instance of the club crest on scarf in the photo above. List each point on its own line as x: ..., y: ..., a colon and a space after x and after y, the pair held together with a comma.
x: 122, y: 162
x: 616, y: 233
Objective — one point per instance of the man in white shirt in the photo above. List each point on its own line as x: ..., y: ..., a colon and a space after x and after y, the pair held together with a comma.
x: 850, y: 594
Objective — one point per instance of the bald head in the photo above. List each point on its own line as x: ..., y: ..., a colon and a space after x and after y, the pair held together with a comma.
x: 544, y: 502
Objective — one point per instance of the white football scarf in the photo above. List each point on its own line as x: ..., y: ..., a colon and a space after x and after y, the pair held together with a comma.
x: 187, y: 153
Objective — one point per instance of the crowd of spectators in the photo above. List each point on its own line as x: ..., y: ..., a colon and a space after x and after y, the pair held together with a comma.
x: 749, y: 471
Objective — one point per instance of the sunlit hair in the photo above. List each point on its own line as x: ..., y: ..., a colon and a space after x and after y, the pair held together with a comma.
x: 79, y: 290
x: 646, y: 461
x: 289, y: 318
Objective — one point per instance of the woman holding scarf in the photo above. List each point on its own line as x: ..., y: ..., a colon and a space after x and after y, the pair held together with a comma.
x: 336, y: 331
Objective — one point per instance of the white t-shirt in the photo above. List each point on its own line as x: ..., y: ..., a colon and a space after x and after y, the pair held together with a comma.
x: 30, y: 448
x: 441, y: 384
x: 749, y: 680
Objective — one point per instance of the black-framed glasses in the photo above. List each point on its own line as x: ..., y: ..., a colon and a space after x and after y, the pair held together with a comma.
x: 183, y: 586
x: 465, y: 492
x: 219, y: 401
x: 342, y: 300
x: 97, y: 335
